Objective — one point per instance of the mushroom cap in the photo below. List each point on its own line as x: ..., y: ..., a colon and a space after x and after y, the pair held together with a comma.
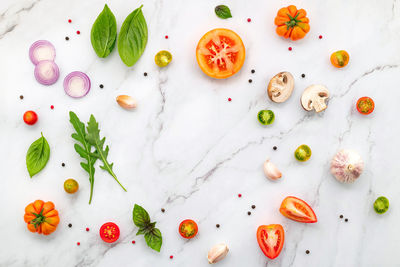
x: 280, y: 87
x: 314, y: 97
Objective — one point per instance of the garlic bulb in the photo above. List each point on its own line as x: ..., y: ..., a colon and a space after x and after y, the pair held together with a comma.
x: 126, y: 101
x: 271, y: 171
x: 217, y: 253
x: 347, y: 165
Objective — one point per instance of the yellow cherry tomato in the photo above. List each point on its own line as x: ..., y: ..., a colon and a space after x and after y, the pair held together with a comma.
x: 71, y: 186
x: 163, y: 58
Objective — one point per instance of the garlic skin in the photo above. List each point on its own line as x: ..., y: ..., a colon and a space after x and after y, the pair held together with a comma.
x: 126, y: 101
x: 347, y: 165
x: 217, y: 253
x: 271, y: 171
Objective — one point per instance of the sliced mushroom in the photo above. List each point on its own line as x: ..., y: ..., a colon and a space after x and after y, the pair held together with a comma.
x: 314, y: 97
x: 280, y: 87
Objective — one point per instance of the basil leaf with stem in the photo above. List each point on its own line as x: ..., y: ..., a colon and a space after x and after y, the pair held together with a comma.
x: 93, y: 137
x: 147, y: 228
x: 104, y: 33
x: 84, y: 150
x: 37, y: 156
x: 132, y: 37
x: 223, y: 12
x: 154, y: 239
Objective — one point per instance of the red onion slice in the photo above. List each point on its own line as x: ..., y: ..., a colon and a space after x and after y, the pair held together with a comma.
x: 47, y: 72
x: 77, y: 84
x: 42, y: 50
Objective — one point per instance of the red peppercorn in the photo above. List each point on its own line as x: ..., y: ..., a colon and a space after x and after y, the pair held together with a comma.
x: 69, y: 21
x: 133, y: 241
x: 87, y: 229
x: 239, y: 195
x: 229, y: 99
x: 166, y: 36
x: 78, y: 32
x: 249, y: 20
x: 52, y: 107
x: 78, y: 243
x: 320, y: 37
x: 171, y: 257
x: 290, y: 48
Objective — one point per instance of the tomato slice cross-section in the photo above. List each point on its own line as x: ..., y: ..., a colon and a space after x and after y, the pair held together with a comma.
x: 188, y: 229
x: 220, y: 53
x: 270, y: 238
x: 109, y: 232
x: 297, y: 210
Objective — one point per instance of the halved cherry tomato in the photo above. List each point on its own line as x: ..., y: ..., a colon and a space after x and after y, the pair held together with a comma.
x: 109, y: 232
x: 188, y: 229
x: 340, y: 58
x: 297, y: 210
x: 220, y: 53
x: 365, y: 105
x: 270, y: 238
x: 30, y: 117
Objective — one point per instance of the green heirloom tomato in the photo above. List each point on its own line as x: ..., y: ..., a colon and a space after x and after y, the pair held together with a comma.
x: 303, y: 153
x: 163, y: 58
x: 381, y: 205
x: 266, y: 117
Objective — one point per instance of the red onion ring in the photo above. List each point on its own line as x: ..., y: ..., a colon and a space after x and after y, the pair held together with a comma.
x: 47, y: 72
x: 77, y: 84
x: 42, y: 50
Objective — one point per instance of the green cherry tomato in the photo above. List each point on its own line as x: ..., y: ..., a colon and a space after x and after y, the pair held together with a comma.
x: 163, y: 58
x: 303, y: 153
x: 381, y: 205
x: 266, y: 117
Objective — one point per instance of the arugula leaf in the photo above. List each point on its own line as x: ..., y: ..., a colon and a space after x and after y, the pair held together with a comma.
x: 132, y: 37
x: 84, y: 150
x: 223, y: 12
x: 93, y: 137
x: 37, y: 156
x: 104, y: 33
x: 147, y: 228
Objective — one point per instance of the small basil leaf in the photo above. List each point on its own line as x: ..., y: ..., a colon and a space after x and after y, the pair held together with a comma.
x: 142, y: 231
x: 132, y: 38
x: 154, y: 239
x: 223, y: 12
x: 104, y: 33
x: 37, y: 156
x: 140, y: 217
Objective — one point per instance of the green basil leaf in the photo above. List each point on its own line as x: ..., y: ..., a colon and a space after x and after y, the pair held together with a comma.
x: 140, y: 217
x: 37, y: 156
x: 104, y: 33
x: 223, y: 12
x: 154, y: 239
x: 132, y: 37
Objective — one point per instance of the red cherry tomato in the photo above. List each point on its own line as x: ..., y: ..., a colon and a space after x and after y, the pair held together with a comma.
x: 365, y: 105
x: 30, y: 117
x: 109, y: 232
x: 188, y: 229
x: 270, y: 238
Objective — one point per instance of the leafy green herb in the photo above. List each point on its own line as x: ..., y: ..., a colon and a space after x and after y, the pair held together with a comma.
x: 37, y: 156
x: 93, y: 137
x: 84, y: 150
x: 223, y: 12
x: 104, y: 33
x: 151, y: 234
x: 132, y: 38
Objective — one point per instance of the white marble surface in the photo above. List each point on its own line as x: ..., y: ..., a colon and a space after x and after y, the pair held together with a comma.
x: 190, y: 151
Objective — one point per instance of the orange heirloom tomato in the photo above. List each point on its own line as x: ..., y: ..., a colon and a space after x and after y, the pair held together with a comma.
x: 292, y: 23
x: 220, y: 53
x: 41, y: 217
x: 365, y: 105
x: 270, y: 238
x: 188, y: 229
x: 340, y: 58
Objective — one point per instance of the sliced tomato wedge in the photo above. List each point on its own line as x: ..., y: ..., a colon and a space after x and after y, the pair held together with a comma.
x: 297, y: 210
x: 220, y: 53
x: 109, y: 232
x: 270, y: 238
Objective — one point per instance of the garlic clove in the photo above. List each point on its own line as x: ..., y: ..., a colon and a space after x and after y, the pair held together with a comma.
x: 271, y: 171
x: 347, y: 165
x: 217, y: 253
x: 126, y: 101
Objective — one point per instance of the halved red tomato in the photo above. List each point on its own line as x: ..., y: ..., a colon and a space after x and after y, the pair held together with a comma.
x: 109, y: 232
x: 188, y: 229
x: 270, y: 238
x: 365, y: 105
x: 297, y: 210
x: 220, y: 53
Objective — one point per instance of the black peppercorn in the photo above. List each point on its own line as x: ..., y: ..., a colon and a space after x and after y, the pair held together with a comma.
x: 249, y: 213
x: 217, y: 225
x: 303, y: 75
x: 307, y: 251
x: 253, y: 206
x: 21, y: 97
x: 341, y: 216
x: 250, y: 80
x: 162, y: 210
x: 101, y: 86
x: 70, y: 225
x: 346, y: 220
x: 274, y: 148
x: 63, y: 164
x: 253, y: 71
x: 145, y: 74
x: 67, y: 38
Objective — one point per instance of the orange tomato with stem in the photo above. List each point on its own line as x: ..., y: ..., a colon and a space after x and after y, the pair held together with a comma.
x: 41, y: 217
x: 220, y: 53
x: 292, y: 23
x: 340, y: 58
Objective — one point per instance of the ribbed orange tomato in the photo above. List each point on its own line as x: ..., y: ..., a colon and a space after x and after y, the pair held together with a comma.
x: 292, y: 23
x: 41, y: 217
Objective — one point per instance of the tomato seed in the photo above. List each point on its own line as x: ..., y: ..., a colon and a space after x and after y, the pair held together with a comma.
x: 249, y: 20
x: 290, y: 48
x: 78, y: 32
x: 229, y: 99
x: 171, y: 257
x: 87, y: 229
x: 69, y: 21
x: 52, y: 107
x: 133, y: 241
